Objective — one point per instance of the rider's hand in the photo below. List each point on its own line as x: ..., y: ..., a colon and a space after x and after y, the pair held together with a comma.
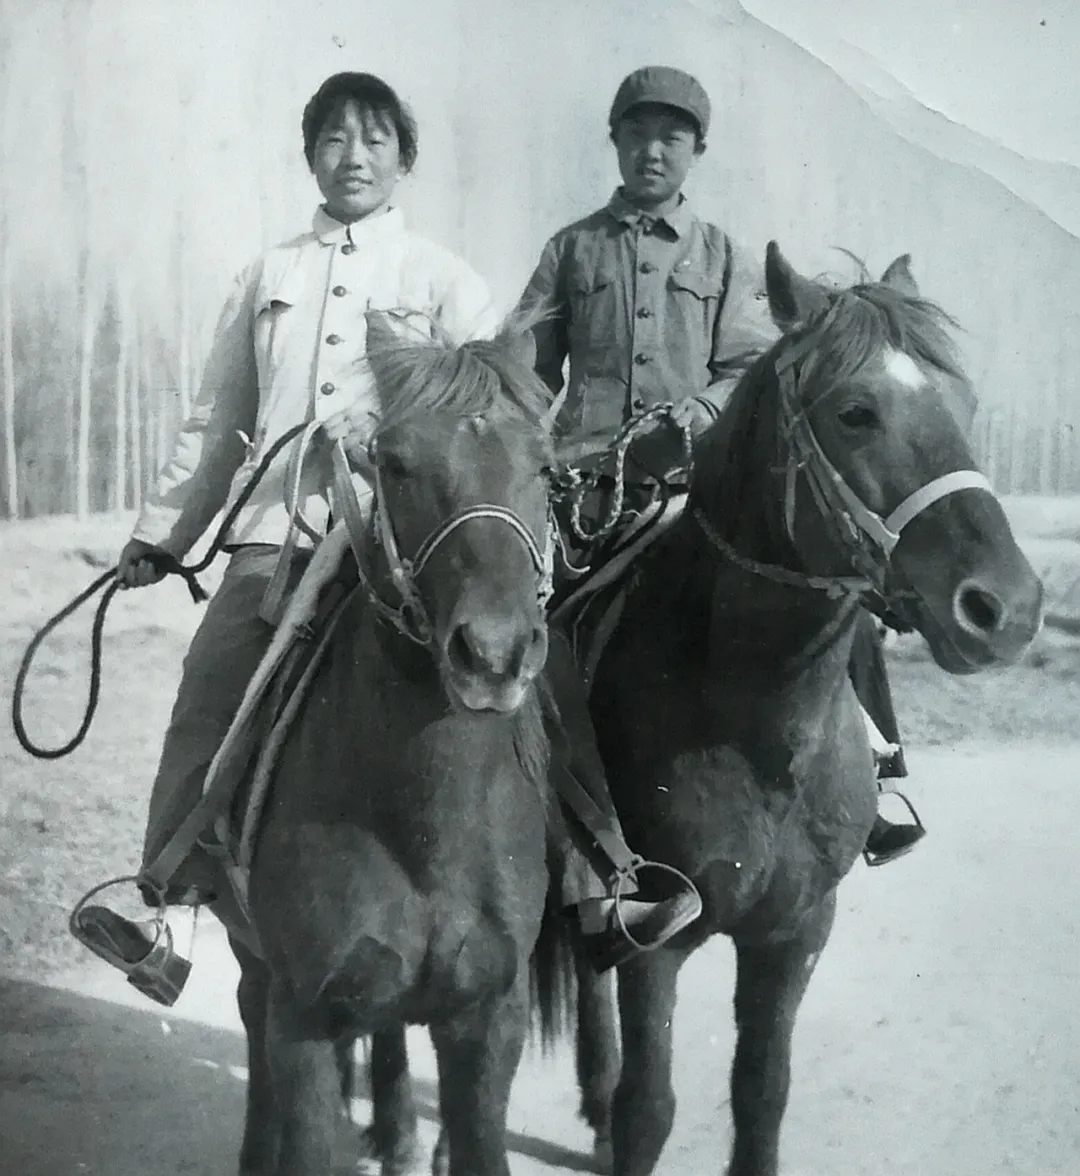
x: 691, y: 413
x: 353, y: 423
x: 134, y: 570
x: 353, y: 426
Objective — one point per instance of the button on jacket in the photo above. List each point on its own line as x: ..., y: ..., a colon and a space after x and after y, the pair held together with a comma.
x: 647, y: 310
x: 288, y: 349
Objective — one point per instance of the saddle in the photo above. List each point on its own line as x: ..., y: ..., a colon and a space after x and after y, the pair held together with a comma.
x: 593, y: 576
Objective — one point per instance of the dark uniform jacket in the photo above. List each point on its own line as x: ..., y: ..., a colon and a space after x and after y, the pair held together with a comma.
x: 647, y: 311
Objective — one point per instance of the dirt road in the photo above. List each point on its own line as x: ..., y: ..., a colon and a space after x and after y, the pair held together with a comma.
x: 939, y: 1037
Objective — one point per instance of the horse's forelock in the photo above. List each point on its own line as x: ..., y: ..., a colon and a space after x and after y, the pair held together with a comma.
x: 416, y: 378
x: 866, y: 319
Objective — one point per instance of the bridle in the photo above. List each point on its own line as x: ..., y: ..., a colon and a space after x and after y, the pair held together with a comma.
x: 410, y: 616
x: 866, y: 537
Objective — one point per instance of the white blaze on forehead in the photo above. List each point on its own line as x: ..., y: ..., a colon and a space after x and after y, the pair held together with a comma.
x: 903, y: 369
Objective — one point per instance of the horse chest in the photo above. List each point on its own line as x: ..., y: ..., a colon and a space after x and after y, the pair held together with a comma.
x: 764, y: 803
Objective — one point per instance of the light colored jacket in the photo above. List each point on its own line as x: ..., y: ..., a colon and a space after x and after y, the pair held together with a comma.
x: 288, y: 350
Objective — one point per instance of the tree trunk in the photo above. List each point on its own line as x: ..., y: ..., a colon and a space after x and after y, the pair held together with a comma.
x: 120, y: 458
x: 86, y: 388
x: 7, y: 376
x: 135, y: 415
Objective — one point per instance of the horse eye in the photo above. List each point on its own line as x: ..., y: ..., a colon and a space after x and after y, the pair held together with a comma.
x: 857, y: 416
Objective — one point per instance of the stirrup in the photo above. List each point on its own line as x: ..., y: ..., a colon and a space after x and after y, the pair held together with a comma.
x: 872, y: 859
x: 615, y: 944
x: 162, y: 973
x: 623, y: 877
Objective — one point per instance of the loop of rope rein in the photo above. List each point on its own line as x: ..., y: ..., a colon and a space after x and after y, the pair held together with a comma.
x: 163, y: 562
x: 577, y: 486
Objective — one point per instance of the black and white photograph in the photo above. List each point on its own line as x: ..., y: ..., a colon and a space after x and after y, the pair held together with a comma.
x: 540, y: 595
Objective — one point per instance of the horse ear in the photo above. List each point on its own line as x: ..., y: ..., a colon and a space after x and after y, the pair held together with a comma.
x: 898, y: 276
x: 793, y: 299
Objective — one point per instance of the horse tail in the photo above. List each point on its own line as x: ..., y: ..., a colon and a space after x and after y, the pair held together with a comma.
x: 552, y: 987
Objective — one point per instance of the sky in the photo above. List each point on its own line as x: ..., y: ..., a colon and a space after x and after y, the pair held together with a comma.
x: 1009, y: 69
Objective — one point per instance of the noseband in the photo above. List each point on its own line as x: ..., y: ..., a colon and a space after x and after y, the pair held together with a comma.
x: 410, y: 617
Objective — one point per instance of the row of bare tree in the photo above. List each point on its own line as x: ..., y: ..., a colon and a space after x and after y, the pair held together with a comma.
x: 148, y: 150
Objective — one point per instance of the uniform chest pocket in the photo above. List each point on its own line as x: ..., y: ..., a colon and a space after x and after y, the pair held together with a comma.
x: 270, y: 331
x: 693, y: 305
x: 595, y: 300
x: 695, y: 284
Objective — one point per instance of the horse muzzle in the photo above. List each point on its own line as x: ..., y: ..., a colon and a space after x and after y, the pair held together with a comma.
x: 489, y: 663
x: 985, y: 624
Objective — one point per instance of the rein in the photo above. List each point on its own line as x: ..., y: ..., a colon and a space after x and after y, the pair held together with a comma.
x: 575, y: 486
x: 163, y: 562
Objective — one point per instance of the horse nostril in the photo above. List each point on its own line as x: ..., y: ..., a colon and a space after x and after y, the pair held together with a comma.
x: 461, y: 652
x: 977, y: 609
x: 538, y: 646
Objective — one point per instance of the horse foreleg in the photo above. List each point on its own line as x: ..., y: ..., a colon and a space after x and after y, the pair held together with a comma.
x: 259, y: 1148
x: 307, y: 1085
x: 392, y: 1136
x: 596, y: 1056
x: 643, y: 1108
x: 771, y: 981
x: 478, y: 1055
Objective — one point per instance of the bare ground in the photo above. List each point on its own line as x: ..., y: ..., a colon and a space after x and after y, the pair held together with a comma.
x: 938, y: 1037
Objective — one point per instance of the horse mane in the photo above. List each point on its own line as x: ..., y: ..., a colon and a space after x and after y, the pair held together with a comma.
x: 857, y: 323
x: 426, y: 372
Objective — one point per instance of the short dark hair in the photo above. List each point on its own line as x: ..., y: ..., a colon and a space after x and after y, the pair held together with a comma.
x: 370, y: 93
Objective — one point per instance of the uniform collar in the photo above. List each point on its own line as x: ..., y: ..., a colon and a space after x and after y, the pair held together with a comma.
x: 390, y: 223
x: 625, y: 213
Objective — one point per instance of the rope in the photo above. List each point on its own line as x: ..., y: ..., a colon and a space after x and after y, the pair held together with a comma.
x: 576, y: 486
x: 162, y: 562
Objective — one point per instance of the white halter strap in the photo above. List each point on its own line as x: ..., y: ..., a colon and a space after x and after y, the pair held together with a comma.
x: 932, y: 492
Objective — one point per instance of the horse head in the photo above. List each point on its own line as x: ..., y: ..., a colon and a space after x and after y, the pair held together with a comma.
x: 462, y: 458
x: 873, y: 414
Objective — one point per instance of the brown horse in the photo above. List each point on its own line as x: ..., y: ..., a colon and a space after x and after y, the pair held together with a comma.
x: 838, y: 474
x: 400, y: 875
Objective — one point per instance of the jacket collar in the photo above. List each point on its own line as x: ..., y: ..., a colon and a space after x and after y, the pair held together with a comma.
x: 678, y: 221
x: 379, y: 227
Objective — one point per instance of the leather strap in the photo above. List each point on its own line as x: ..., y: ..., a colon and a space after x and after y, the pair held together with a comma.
x: 346, y: 504
x: 273, y: 600
x: 601, y: 826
